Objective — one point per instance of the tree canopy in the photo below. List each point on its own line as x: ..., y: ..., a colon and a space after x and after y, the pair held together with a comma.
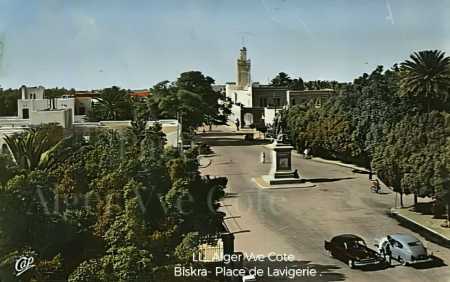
x: 112, y: 104
x: 380, y: 121
x: 191, y: 98
x: 116, y: 208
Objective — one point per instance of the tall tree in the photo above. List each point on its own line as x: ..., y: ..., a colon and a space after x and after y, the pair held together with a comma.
x: 297, y: 84
x: 8, y: 102
x: 112, y: 104
x: 426, y: 79
x: 282, y: 79
x: 37, y: 147
x: 191, y: 98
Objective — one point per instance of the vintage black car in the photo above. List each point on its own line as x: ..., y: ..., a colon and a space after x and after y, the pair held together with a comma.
x: 352, y: 250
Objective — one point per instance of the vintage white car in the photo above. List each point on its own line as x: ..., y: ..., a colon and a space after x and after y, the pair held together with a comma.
x: 404, y: 248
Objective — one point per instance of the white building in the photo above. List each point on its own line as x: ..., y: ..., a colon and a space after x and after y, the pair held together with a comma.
x: 70, y: 112
x: 241, y: 92
x: 33, y: 105
x: 255, y: 104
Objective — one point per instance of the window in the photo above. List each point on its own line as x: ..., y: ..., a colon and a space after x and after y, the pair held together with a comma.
x: 414, y: 244
x: 356, y: 244
x: 293, y: 102
x: 25, y: 113
x: 397, y: 244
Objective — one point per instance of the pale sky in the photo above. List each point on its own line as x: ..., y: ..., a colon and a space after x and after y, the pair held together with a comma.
x: 89, y: 44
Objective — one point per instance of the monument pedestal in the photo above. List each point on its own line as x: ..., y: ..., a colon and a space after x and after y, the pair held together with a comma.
x: 281, y: 171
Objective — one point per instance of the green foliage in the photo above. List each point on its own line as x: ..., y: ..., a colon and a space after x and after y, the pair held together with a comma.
x: 58, y: 92
x: 99, y: 213
x: 379, y: 121
x: 87, y: 271
x: 8, y: 101
x: 283, y: 80
x: 191, y: 98
x: 128, y: 264
x: 187, y: 247
x: 112, y: 104
x: 425, y: 78
x: 410, y: 157
x: 7, y: 167
x: 36, y: 147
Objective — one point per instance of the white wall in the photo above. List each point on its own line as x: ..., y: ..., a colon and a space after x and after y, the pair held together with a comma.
x: 238, y: 95
x: 62, y: 117
x: 44, y: 104
x: 269, y: 116
x: 235, y: 113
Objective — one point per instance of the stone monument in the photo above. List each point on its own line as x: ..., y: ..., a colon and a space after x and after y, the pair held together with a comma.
x: 281, y: 171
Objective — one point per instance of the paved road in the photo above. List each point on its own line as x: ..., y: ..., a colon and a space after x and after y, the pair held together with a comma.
x: 297, y: 221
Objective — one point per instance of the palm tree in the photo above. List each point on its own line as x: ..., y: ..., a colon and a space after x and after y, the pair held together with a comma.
x: 34, y: 148
x: 426, y: 77
x: 113, y: 104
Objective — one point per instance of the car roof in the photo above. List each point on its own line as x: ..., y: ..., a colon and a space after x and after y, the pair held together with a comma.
x: 346, y: 237
x: 406, y: 238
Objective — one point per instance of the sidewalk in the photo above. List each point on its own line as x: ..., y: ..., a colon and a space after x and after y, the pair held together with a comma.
x: 339, y: 163
x: 425, y: 223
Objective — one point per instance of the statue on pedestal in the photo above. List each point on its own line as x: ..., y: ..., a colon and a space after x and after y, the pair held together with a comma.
x: 281, y: 138
x: 281, y: 171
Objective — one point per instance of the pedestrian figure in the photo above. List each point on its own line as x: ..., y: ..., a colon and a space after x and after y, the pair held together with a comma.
x: 296, y: 174
x: 388, y: 253
x: 263, y: 157
x: 375, y: 186
x: 237, y: 124
x: 306, y: 153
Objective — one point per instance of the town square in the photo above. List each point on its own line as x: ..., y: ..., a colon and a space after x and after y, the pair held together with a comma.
x: 235, y: 141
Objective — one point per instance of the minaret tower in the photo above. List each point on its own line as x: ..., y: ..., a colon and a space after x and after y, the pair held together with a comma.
x: 243, y: 70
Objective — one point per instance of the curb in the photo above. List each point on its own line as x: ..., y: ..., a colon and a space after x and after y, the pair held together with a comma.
x: 339, y: 163
x: 430, y: 234
x: 262, y: 185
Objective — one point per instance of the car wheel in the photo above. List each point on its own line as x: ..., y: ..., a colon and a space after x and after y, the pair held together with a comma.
x: 351, y: 263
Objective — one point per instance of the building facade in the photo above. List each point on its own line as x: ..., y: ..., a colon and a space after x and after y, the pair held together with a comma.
x: 256, y: 105
x: 33, y: 103
x: 35, y: 109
